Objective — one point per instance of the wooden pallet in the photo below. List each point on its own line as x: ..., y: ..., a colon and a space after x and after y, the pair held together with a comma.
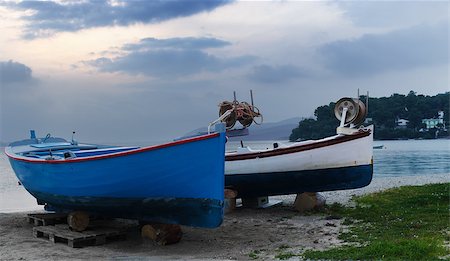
x: 46, y: 219
x: 93, y: 236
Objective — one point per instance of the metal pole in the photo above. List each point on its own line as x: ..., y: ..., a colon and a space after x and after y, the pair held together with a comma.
x: 343, y: 116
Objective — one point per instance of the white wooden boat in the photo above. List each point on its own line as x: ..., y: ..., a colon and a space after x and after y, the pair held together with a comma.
x: 342, y: 161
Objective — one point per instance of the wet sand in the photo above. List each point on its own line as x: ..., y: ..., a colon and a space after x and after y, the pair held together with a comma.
x: 263, y: 233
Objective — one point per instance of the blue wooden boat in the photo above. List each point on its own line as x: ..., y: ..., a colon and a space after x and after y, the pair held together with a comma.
x: 180, y: 182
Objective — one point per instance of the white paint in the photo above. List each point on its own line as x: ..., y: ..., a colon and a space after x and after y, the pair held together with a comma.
x: 352, y: 153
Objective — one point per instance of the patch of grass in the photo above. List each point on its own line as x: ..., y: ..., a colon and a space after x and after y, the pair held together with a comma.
x: 406, y: 223
x: 334, y: 208
x: 284, y: 256
x: 326, y: 210
x: 254, y: 254
x: 347, y: 221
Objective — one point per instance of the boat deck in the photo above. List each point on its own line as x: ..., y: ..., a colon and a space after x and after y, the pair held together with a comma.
x: 64, y: 150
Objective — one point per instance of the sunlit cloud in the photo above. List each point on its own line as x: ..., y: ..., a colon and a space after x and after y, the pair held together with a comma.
x: 176, y: 43
x: 168, y: 58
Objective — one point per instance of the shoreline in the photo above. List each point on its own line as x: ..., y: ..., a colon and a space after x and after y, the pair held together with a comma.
x: 28, y: 203
x: 244, y: 233
x: 382, y: 183
x: 376, y: 185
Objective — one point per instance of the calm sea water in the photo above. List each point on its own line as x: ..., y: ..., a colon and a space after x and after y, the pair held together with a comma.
x: 397, y: 158
x: 412, y: 157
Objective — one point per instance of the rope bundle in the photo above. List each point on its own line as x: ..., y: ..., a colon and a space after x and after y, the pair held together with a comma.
x: 241, y: 111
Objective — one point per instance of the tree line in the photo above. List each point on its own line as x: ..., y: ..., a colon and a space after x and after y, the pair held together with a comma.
x: 384, y: 113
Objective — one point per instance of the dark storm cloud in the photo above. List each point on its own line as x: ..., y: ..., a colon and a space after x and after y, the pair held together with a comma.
x: 14, y: 72
x: 169, y: 58
x: 48, y: 17
x: 414, y: 47
x: 275, y: 74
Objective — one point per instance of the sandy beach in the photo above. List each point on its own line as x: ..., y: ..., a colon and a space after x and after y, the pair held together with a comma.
x: 263, y: 232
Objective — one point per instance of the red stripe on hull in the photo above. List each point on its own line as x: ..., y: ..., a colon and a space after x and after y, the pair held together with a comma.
x: 117, y: 154
x: 294, y: 149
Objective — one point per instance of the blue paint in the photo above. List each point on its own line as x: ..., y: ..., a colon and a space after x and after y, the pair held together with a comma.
x: 197, y: 212
x: 188, y: 175
x: 220, y: 127
x: 284, y: 183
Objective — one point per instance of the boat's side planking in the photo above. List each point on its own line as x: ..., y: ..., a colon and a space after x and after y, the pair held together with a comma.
x: 179, y: 182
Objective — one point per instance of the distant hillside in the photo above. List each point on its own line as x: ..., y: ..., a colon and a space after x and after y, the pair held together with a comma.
x: 395, y: 117
x: 267, y: 131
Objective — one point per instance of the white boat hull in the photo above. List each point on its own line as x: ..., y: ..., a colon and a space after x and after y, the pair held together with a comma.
x: 334, y: 163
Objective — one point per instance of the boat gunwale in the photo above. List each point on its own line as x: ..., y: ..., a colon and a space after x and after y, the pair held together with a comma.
x: 299, y: 148
x: 111, y: 155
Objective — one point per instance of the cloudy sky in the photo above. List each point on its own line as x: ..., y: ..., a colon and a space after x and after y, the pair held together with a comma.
x: 146, y: 71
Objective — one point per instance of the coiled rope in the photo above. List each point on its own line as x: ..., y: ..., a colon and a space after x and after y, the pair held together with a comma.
x: 243, y: 112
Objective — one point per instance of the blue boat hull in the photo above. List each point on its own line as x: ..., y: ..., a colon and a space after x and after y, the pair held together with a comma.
x: 179, y: 183
x: 293, y: 182
x: 199, y: 212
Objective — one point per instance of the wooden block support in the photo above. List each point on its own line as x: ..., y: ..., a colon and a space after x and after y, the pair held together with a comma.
x: 308, y: 201
x: 230, y: 200
x: 78, y: 220
x: 162, y: 234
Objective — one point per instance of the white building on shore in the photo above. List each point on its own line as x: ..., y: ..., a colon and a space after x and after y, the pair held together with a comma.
x: 433, y: 123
